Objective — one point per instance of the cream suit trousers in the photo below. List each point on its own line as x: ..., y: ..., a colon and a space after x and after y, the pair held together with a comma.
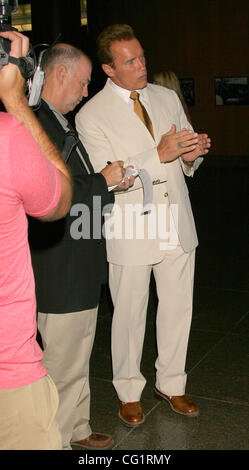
x: 67, y: 341
x: 129, y: 287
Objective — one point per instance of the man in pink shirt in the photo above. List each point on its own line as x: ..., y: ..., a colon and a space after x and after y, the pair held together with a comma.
x: 29, y: 184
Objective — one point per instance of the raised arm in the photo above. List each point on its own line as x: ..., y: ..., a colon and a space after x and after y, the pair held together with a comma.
x: 15, y: 102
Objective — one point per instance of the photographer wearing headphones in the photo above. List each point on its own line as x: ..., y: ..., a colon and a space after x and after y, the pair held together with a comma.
x: 35, y: 181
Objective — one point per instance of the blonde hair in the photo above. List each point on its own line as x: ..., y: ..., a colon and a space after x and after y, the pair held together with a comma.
x: 169, y: 80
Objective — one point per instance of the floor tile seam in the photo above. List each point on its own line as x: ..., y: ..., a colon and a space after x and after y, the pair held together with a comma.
x: 236, y: 323
x: 220, y: 340
x: 219, y: 400
x: 152, y: 409
x: 213, y: 330
x: 118, y: 443
x: 217, y: 343
x: 232, y: 332
x: 243, y: 317
x: 235, y: 333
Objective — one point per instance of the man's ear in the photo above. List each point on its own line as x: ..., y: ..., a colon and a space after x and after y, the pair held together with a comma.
x: 108, y: 70
x: 61, y: 73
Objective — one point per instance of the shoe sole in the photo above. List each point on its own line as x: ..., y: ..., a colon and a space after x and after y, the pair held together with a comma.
x: 131, y: 425
x: 188, y: 415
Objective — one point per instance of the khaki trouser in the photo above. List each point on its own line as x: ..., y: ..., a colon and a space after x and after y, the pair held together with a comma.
x: 67, y: 340
x: 27, y: 417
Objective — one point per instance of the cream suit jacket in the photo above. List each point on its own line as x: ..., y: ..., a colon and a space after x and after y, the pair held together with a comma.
x: 110, y: 130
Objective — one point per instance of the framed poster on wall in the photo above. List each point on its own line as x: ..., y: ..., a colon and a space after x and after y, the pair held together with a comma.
x: 188, y: 90
x: 231, y: 91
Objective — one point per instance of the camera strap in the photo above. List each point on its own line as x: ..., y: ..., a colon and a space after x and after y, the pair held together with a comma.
x: 25, y: 65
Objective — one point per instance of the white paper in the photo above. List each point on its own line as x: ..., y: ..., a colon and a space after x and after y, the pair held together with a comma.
x: 146, y: 183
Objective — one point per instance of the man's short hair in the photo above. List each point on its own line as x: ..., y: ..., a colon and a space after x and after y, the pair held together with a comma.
x: 61, y: 54
x: 115, y: 32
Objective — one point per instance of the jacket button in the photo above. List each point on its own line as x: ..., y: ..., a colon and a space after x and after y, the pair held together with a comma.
x: 165, y: 194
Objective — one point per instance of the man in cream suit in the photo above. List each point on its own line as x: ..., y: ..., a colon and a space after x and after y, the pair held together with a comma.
x: 163, y: 239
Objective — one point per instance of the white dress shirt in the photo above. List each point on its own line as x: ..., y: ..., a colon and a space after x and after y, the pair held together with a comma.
x: 125, y: 95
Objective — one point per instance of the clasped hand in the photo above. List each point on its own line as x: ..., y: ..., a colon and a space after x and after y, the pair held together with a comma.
x: 186, y: 144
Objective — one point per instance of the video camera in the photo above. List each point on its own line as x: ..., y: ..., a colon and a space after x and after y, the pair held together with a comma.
x: 25, y: 64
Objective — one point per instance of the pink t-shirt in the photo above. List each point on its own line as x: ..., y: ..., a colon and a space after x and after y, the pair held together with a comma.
x: 30, y: 184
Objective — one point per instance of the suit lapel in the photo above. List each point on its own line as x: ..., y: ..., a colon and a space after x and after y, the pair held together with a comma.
x: 155, y: 107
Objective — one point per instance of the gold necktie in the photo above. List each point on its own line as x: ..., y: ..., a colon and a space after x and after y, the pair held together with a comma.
x: 141, y: 112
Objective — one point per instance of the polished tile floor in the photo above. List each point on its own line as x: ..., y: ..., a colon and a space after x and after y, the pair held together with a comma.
x: 217, y: 361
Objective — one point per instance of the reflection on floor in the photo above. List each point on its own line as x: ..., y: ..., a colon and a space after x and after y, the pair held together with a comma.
x: 217, y: 362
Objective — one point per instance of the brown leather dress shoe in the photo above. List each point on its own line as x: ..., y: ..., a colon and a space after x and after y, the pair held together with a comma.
x: 95, y: 441
x: 180, y: 404
x: 131, y: 413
